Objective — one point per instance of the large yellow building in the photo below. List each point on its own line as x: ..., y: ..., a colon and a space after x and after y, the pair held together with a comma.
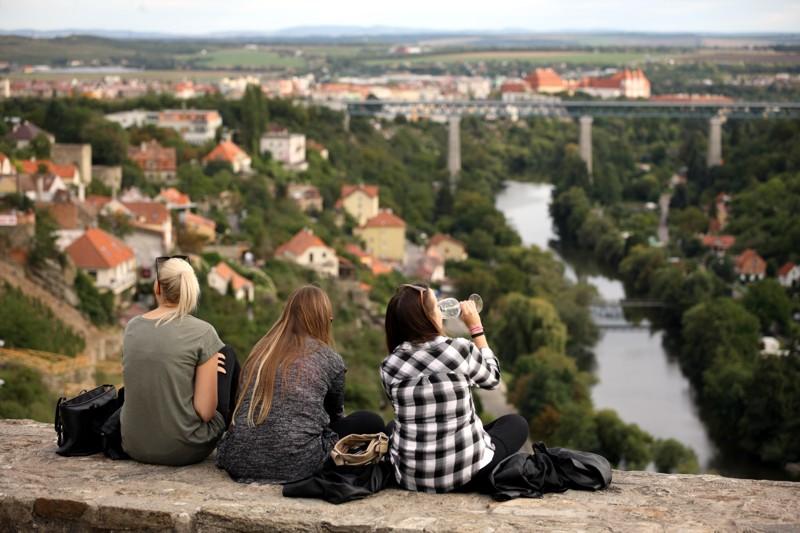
x: 360, y: 201
x: 385, y: 236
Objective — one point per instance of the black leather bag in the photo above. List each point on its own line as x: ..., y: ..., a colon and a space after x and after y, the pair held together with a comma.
x: 78, y: 421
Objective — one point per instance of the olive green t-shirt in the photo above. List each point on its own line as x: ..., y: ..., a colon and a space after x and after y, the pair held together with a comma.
x: 159, y: 422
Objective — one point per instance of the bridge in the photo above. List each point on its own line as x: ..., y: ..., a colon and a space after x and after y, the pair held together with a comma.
x: 583, y: 110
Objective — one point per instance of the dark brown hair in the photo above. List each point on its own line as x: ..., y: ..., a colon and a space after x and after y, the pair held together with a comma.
x: 409, y: 317
x: 307, y: 313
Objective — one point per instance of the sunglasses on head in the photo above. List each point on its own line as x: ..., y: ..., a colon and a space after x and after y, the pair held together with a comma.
x: 165, y: 258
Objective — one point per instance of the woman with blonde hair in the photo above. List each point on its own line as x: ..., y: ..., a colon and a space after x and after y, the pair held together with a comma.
x: 178, y: 380
x: 291, y: 410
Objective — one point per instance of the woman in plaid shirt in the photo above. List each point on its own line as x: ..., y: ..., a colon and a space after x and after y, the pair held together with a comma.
x: 439, y: 443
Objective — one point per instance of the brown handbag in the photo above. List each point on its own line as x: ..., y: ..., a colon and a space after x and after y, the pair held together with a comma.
x: 357, y: 450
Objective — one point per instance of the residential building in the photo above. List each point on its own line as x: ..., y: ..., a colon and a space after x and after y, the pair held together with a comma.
x: 430, y: 267
x: 107, y: 260
x: 108, y: 175
x: 154, y: 217
x: 17, y: 230
x: 789, y: 274
x: 309, y: 251
x: 228, y: 152
x: 158, y: 163
x: 68, y: 173
x: 448, y: 247
x: 289, y: 149
x: 719, y: 244
x: 317, y: 147
x: 38, y: 187
x: 174, y: 199
x: 626, y: 83
x: 307, y: 197
x: 376, y: 266
x: 222, y: 278
x: 545, y: 80
x: 200, y: 226
x: 196, y: 126
x: 750, y: 266
x: 6, y: 167
x: 72, y: 219
x: 360, y: 201
x: 23, y: 133
x: 79, y: 155
x: 385, y: 236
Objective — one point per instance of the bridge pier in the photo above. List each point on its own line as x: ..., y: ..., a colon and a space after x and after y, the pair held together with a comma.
x: 454, y: 149
x: 585, y: 141
x: 714, y: 156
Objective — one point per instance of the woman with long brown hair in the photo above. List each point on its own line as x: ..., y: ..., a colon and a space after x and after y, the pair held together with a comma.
x: 438, y: 442
x: 290, y: 411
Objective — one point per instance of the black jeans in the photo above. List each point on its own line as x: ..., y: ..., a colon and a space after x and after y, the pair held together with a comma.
x: 357, y: 423
x: 228, y: 384
x: 508, y: 434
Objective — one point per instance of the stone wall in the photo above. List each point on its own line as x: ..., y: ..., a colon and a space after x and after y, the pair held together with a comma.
x: 42, y: 491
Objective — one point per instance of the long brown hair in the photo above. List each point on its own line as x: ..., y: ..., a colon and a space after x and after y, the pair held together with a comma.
x: 409, y: 317
x: 307, y: 313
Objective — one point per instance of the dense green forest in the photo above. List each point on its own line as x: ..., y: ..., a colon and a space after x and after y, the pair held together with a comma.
x: 750, y: 402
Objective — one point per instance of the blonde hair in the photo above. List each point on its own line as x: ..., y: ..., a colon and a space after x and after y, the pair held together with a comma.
x: 179, y: 287
x: 307, y: 313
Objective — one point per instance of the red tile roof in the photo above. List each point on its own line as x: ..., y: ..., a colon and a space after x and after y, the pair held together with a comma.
x: 192, y: 218
x: 65, y: 214
x: 174, y: 196
x: 225, y: 151
x: 227, y: 273
x: 785, y: 269
x: 441, y: 237
x: 514, y: 87
x: 370, y: 190
x: 750, y: 263
x: 544, y: 77
x: 719, y: 241
x: 356, y: 251
x: 150, y: 213
x: 96, y: 249
x: 385, y: 219
x: 31, y: 166
x: 151, y: 156
x: 97, y: 201
x: 302, y: 241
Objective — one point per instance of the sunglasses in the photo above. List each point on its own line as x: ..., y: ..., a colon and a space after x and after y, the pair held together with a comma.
x: 165, y: 258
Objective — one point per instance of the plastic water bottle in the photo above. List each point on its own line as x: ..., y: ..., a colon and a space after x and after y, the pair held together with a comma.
x: 451, y: 307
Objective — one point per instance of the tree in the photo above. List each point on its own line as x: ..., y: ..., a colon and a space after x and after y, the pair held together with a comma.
x: 23, y: 395
x: 768, y: 301
x: 717, y: 329
x: 99, y: 307
x: 671, y: 456
x: 622, y: 444
x: 523, y: 325
x: 254, y: 118
x: 40, y: 145
x: 109, y: 141
x: 44, y: 240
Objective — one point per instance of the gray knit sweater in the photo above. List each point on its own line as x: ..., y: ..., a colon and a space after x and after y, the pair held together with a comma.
x: 295, y: 439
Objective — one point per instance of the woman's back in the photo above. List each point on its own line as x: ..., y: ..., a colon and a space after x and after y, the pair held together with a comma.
x: 159, y: 421
x: 295, y: 439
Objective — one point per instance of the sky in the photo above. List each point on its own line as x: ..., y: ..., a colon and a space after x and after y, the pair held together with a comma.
x: 206, y: 16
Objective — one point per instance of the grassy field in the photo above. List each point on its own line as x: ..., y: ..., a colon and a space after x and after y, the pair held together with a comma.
x: 534, y: 57
x: 250, y: 59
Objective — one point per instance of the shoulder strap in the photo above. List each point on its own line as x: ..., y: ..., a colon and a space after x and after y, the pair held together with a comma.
x: 58, y: 427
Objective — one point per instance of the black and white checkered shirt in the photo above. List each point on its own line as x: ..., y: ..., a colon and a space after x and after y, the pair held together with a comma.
x: 439, y: 442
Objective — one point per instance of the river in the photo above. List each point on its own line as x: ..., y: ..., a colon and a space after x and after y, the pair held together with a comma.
x: 636, y: 377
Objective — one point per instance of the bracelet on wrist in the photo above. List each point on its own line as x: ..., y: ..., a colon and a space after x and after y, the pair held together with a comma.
x: 473, y: 329
x: 477, y: 334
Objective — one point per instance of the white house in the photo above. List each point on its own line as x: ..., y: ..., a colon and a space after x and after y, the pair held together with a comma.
x: 287, y: 148
x: 6, y: 168
x: 107, y: 260
x: 789, y: 274
x: 308, y: 250
x: 223, y: 278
